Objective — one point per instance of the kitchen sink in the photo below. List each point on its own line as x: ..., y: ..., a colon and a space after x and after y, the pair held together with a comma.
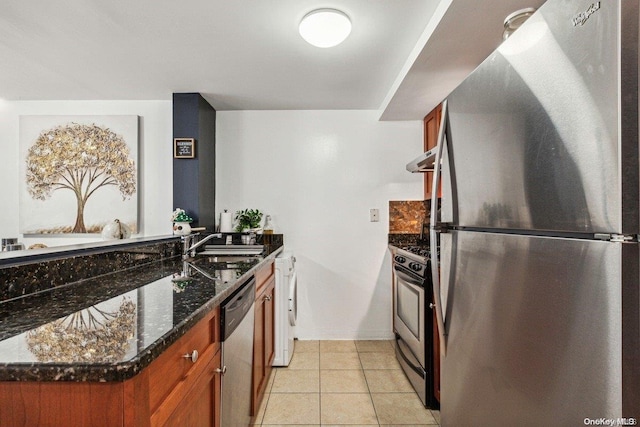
x: 229, y: 259
x: 232, y: 250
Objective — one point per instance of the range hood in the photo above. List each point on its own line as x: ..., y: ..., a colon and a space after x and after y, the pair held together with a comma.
x: 424, y: 162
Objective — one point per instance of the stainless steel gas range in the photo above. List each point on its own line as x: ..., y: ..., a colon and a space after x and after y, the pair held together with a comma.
x: 413, y: 320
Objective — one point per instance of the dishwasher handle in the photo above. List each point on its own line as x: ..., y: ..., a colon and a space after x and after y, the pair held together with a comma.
x: 235, y: 307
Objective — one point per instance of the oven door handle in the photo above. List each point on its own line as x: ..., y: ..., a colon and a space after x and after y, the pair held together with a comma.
x: 408, y: 279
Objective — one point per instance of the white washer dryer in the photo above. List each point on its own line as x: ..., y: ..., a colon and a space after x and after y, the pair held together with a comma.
x: 286, y: 308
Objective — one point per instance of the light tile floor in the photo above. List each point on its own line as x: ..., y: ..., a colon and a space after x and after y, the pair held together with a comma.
x: 356, y: 383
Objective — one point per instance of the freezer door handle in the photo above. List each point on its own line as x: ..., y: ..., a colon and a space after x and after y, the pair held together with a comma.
x: 437, y: 168
x: 435, y: 227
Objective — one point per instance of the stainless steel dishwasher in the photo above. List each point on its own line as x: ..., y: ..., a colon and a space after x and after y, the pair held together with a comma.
x: 237, y: 317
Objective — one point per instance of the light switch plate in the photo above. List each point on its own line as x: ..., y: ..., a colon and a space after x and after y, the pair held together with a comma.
x: 374, y: 215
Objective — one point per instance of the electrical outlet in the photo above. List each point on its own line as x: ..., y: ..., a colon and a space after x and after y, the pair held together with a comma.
x: 374, y: 215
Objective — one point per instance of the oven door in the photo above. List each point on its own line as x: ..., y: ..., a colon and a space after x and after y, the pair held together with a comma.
x: 408, y: 312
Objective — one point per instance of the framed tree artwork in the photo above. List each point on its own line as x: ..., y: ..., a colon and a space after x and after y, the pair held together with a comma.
x: 77, y: 173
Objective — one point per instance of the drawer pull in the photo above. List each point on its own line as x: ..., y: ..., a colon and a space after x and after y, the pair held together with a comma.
x: 193, y: 356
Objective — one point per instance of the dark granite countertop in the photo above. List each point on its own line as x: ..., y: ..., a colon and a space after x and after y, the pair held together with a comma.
x: 399, y: 240
x: 110, y: 327
x: 30, y: 256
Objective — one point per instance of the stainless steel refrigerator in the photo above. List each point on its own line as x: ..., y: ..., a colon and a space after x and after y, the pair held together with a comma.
x: 537, y: 294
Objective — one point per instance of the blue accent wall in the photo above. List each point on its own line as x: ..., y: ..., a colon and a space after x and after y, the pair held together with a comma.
x: 194, y: 188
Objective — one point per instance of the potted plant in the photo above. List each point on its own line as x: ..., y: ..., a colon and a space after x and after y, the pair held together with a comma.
x: 248, y: 220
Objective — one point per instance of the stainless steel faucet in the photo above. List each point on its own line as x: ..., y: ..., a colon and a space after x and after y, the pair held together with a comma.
x: 189, y: 249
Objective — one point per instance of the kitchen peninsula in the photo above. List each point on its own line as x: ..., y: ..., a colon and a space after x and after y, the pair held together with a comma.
x: 136, y: 346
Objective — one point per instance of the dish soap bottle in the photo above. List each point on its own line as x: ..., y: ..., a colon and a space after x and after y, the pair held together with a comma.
x: 268, y: 225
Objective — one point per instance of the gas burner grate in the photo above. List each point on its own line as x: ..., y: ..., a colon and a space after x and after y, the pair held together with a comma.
x: 419, y: 250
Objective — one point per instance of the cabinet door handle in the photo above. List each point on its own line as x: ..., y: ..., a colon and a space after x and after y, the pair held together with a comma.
x: 193, y: 356
x: 221, y: 371
x: 267, y: 298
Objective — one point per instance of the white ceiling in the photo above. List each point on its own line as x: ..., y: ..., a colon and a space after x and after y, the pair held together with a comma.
x: 400, y: 58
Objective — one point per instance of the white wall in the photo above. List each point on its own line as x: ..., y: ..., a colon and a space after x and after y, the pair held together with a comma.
x: 155, y: 160
x: 318, y: 173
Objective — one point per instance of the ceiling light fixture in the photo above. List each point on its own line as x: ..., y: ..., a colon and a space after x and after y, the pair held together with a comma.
x: 325, y: 27
x: 514, y: 20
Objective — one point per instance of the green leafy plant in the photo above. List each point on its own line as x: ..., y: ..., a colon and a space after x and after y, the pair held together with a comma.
x: 248, y: 218
x: 179, y: 215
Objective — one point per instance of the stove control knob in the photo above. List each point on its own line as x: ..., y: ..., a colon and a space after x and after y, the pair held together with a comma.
x: 400, y: 259
x: 415, y: 266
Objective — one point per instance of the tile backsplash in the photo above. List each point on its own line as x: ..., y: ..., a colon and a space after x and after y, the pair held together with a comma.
x: 407, y: 216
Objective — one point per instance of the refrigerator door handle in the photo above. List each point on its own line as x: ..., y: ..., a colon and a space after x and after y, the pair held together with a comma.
x: 435, y: 261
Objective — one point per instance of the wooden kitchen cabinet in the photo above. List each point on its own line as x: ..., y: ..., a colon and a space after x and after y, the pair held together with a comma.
x: 171, y: 391
x: 183, y: 392
x: 62, y: 404
x: 431, y: 125
x: 172, y: 376
x: 264, y: 330
x: 196, y: 408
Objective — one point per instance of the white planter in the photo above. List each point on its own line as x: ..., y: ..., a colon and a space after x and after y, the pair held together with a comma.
x: 181, y: 228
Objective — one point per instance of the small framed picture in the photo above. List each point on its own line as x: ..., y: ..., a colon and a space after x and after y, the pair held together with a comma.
x: 184, y: 148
